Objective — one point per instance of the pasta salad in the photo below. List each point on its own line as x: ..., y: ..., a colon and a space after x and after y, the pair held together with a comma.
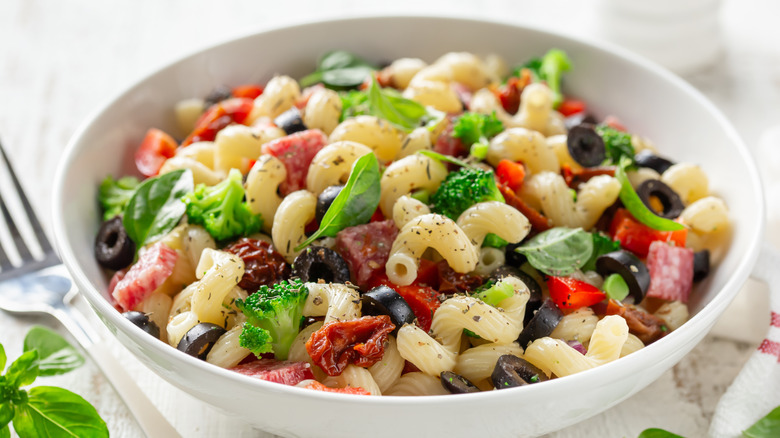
x: 416, y: 229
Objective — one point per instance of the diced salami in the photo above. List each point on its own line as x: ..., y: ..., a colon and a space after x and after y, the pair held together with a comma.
x: 671, y: 271
x: 448, y: 145
x: 366, y: 248
x: 153, y: 267
x: 272, y: 370
x: 296, y: 152
x: 317, y: 386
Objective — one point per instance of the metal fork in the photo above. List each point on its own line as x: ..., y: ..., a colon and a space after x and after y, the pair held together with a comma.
x: 42, y: 285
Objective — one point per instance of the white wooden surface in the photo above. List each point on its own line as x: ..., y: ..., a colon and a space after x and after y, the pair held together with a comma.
x: 60, y: 60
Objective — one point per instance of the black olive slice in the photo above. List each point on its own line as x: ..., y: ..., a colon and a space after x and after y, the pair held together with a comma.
x: 535, y: 300
x: 320, y: 263
x: 630, y: 268
x: 456, y: 384
x: 512, y: 257
x: 113, y: 247
x: 383, y: 300
x: 586, y: 146
x: 324, y: 200
x: 217, y: 95
x: 670, y: 200
x: 541, y: 324
x: 648, y: 159
x: 701, y: 265
x: 290, y: 121
x: 512, y: 371
x: 199, y: 339
x: 143, y: 321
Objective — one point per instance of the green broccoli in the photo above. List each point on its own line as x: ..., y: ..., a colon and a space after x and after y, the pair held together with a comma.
x: 617, y: 143
x: 114, y: 195
x: 221, y: 209
x: 464, y: 188
x: 475, y: 130
x: 274, y: 315
x: 554, y: 63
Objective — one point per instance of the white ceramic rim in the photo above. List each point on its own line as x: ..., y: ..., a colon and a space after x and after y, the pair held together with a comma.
x: 702, y: 321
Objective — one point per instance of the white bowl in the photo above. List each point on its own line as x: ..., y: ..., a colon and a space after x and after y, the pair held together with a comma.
x: 649, y: 100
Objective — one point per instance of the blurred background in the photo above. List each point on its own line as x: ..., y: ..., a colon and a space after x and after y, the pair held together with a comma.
x: 62, y: 60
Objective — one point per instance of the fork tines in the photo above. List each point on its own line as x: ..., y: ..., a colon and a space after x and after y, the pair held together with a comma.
x: 28, y: 262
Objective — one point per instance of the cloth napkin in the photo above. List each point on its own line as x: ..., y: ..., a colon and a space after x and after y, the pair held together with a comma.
x: 756, y: 390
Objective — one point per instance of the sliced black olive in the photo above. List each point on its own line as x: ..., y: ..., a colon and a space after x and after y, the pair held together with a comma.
x: 290, y: 121
x: 535, y: 300
x: 646, y: 158
x: 630, y: 268
x: 541, y: 324
x: 456, y: 384
x: 701, y: 265
x: 383, y: 300
x: 512, y: 371
x: 113, y: 247
x: 514, y: 258
x: 669, y: 199
x: 217, y: 95
x: 320, y: 263
x: 199, y: 339
x: 324, y: 200
x: 586, y: 146
x: 143, y: 321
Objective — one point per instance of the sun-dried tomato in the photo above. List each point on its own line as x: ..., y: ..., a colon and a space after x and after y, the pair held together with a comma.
x: 263, y: 265
x: 359, y: 341
x: 645, y: 326
x: 451, y: 282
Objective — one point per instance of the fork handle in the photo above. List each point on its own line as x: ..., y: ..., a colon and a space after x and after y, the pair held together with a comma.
x: 148, y: 416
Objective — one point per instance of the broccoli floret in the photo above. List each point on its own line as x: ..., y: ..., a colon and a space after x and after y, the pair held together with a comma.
x: 464, y: 188
x: 475, y: 130
x: 617, y: 143
x: 273, y: 317
x: 114, y: 195
x: 554, y: 63
x: 221, y: 209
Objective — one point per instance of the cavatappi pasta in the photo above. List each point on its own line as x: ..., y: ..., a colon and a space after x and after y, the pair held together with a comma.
x: 376, y: 237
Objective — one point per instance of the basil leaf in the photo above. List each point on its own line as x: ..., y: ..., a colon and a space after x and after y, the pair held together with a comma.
x: 657, y: 433
x: 391, y: 106
x: 3, y: 358
x: 339, y: 69
x: 349, y: 77
x: 356, y: 202
x: 769, y: 426
x: 602, y: 244
x: 5, y: 432
x: 558, y: 251
x: 636, y: 207
x: 156, y: 207
x: 23, y: 370
x: 7, y: 412
x: 55, y: 354
x: 445, y: 158
x: 338, y: 59
x: 56, y: 412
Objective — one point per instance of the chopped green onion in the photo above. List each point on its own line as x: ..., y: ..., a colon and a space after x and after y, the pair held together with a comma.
x: 421, y: 195
x: 615, y: 287
x: 479, y: 150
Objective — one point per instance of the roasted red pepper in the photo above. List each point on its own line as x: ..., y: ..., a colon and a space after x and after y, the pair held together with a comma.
x: 570, y: 294
x: 538, y: 221
x: 637, y: 237
x: 156, y: 147
x: 569, y: 107
x: 220, y: 115
x: 423, y: 300
x: 510, y: 173
x: 359, y: 341
x: 249, y: 91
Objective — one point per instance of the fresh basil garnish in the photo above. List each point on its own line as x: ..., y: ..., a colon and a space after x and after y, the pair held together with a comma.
x: 339, y: 70
x: 636, y: 207
x: 3, y: 357
x: 59, y: 411
x: 156, y: 206
x: 558, y: 251
x: 23, y: 370
x: 356, y: 202
x: 444, y: 158
x: 768, y: 426
x: 405, y: 114
x: 55, y: 354
x: 602, y: 244
x: 657, y: 433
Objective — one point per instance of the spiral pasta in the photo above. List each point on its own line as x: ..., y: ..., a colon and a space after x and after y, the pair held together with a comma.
x: 521, y: 144
x: 323, y: 110
x: 332, y: 165
x: 295, y: 211
x: 378, y: 134
x: 261, y: 188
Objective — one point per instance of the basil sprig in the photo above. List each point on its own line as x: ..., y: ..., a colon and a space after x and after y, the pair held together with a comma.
x: 356, y: 202
x: 558, y: 251
x: 636, y: 207
x: 339, y: 70
x: 405, y: 114
x: 156, y: 207
x: 56, y: 411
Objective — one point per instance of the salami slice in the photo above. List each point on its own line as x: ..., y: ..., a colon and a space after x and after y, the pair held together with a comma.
x: 366, y: 248
x: 272, y: 370
x: 296, y: 152
x: 153, y: 267
x: 671, y: 271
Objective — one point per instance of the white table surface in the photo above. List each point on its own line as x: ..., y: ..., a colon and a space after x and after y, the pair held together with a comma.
x: 61, y: 60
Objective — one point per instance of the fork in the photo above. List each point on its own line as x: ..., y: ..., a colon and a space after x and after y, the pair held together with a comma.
x: 42, y: 285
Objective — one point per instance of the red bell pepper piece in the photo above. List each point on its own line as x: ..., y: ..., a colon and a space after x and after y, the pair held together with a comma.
x: 570, y: 294
x: 156, y: 147
x: 637, y: 237
x: 510, y: 173
x: 249, y: 91
x: 569, y: 107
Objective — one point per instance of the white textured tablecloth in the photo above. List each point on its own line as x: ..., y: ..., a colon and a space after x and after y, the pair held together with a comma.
x: 60, y: 60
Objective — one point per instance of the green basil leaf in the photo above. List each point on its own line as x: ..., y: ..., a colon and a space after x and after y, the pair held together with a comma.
x: 5, y: 432
x: 769, y: 426
x: 602, y: 244
x: 156, y: 207
x: 657, y: 433
x: 55, y: 354
x: 636, y: 207
x: 56, y: 412
x: 348, y: 77
x: 445, y: 158
x: 558, y: 251
x: 391, y: 106
x: 339, y: 69
x: 3, y: 358
x: 356, y: 202
x: 7, y: 412
x: 23, y: 370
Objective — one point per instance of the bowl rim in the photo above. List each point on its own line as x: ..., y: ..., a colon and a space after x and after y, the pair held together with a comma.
x: 701, y: 321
